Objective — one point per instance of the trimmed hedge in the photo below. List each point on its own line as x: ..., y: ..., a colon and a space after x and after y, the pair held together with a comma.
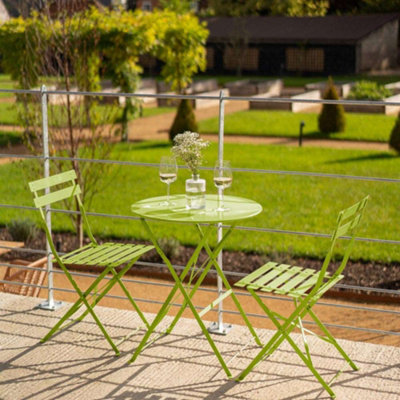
x: 332, y: 117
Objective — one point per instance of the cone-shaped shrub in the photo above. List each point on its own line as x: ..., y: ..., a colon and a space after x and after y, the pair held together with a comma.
x: 394, y: 141
x: 185, y: 119
x: 332, y: 118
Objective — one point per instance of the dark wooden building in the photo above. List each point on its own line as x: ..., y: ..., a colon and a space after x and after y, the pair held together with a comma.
x: 308, y: 45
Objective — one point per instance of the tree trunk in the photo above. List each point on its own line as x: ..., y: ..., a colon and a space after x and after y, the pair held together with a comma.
x: 79, y: 229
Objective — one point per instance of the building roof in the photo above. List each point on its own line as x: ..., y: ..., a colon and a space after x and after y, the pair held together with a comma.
x: 345, y: 29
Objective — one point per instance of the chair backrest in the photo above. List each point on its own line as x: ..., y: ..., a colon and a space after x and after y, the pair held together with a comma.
x: 70, y: 189
x: 346, y: 225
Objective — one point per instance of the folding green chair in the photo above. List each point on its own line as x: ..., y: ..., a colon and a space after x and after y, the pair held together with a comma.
x: 107, y: 257
x: 305, y: 286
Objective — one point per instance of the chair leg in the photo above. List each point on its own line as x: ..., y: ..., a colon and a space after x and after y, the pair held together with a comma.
x: 283, y: 333
x: 333, y: 340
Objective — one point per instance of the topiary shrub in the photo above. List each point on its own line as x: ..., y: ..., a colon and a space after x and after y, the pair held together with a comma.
x: 185, y: 119
x: 394, y: 141
x: 332, y: 118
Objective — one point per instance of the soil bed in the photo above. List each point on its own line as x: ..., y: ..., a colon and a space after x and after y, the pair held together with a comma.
x: 360, y: 273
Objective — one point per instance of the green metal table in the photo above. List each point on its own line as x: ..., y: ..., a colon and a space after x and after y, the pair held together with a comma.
x: 238, y: 208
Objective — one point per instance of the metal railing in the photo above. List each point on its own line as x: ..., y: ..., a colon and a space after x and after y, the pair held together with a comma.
x: 51, y: 303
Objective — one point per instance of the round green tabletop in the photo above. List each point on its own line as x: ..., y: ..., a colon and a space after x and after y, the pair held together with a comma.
x: 155, y: 208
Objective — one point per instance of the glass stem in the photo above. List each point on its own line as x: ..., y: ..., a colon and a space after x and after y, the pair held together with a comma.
x: 168, y: 193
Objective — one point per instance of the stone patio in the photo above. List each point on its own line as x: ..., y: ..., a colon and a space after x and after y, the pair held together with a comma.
x: 78, y: 363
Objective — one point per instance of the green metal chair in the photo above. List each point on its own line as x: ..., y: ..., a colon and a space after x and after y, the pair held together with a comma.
x: 106, y: 257
x: 305, y: 286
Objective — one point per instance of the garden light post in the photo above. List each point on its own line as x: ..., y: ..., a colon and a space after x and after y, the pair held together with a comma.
x: 302, y: 125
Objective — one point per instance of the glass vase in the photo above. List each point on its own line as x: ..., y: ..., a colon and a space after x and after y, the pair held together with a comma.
x: 195, y: 193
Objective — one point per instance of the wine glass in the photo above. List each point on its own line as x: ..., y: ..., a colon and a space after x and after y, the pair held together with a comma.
x: 168, y: 172
x: 222, y: 180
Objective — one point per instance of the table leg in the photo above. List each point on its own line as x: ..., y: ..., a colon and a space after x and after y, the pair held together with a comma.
x: 187, y: 298
x: 203, y: 242
x: 213, y: 258
x: 164, y: 308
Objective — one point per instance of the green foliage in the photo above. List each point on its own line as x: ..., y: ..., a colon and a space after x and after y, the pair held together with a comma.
x: 22, y: 230
x: 299, y: 8
x: 394, y: 141
x: 235, y: 8
x: 368, y: 90
x: 331, y: 118
x: 185, y: 120
x: 380, y: 6
x: 181, y: 46
x: 178, y: 6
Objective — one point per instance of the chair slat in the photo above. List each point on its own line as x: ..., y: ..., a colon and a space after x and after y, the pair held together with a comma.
x: 283, y: 277
x: 277, y: 270
x: 300, y: 277
x: 342, y: 230
x: 308, y: 284
x: 349, y: 212
x: 102, y: 256
x: 87, y: 255
x: 52, y: 180
x: 132, y: 256
x: 124, y: 252
x: 58, y: 195
x: 255, y: 274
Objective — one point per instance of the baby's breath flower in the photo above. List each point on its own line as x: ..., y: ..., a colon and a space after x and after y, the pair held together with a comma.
x: 188, y: 147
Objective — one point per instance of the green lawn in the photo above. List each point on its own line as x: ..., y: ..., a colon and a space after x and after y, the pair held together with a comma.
x: 368, y: 127
x: 297, y: 203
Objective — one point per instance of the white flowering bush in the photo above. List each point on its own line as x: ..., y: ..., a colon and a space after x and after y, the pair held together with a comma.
x: 188, y: 147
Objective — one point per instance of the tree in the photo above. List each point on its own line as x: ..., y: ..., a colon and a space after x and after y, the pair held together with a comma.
x: 181, y: 47
x: 380, y: 6
x: 177, y: 6
x: 331, y: 118
x: 235, y: 8
x: 299, y: 8
x: 68, y: 52
x: 394, y: 141
x: 185, y: 120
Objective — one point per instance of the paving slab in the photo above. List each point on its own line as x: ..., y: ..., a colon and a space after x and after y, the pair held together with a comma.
x: 77, y: 363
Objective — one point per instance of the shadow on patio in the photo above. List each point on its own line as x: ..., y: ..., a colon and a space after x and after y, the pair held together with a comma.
x: 77, y: 362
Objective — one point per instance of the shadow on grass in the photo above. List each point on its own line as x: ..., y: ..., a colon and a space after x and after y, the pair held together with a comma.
x: 369, y: 157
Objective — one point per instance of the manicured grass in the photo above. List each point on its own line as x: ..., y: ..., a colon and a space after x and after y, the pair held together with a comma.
x: 368, y: 127
x: 151, y: 111
x: 298, y: 203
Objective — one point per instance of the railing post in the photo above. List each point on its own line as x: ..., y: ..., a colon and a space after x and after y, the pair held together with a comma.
x: 50, y: 304
x: 219, y: 327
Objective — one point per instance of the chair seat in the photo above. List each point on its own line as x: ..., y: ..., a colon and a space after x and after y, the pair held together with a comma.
x: 283, y: 279
x: 106, y: 254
